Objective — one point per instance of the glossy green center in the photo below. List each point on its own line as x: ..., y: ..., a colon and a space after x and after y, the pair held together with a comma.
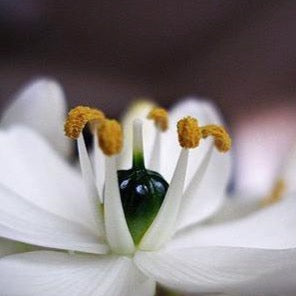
x: 142, y: 193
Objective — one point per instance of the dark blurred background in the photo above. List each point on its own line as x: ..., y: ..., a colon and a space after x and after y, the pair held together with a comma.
x: 241, y: 54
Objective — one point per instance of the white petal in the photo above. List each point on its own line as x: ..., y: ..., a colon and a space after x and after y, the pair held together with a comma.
x: 118, y: 235
x: 36, y: 172
x: 8, y: 247
x: 280, y: 282
x: 22, y: 221
x: 211, y: 269
x: 236, y: 206
x: 272, y: 227
x: 206, y: 196
x: 41, y: 105
x: 164, y: 224
x: 54, y: 273
x: 139, y: 110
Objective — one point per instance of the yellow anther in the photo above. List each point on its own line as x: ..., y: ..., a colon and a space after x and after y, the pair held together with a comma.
x: 188, y: 132
x: 276, y: 193
x: 222, y: 138
x: 110, y: 136
x: 160, y: 117
x: 78, y: 117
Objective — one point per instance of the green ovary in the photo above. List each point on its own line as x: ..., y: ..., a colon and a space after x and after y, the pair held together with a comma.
x: 142, y: 193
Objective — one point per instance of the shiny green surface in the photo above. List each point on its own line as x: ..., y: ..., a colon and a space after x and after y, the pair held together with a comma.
x: 142, y: 192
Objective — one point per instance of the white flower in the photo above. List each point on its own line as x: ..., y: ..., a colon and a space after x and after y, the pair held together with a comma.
x: 77, y: 248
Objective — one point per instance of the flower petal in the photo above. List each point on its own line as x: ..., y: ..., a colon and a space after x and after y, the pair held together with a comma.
x: 36, y: 172
x: 41, y: 105
x: 211, y: 269
x: 280, y: 282
x: 272, y: 227
x: 236, y: 206
x: 207, y: 195
x: 8, y: 247
x: 139, y: 110
x: 22, y: 221
x: 53, y: 273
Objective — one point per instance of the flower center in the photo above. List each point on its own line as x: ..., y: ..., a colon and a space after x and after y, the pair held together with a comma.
x: 134, y: 199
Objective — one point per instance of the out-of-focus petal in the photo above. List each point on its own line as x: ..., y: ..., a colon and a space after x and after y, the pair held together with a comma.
x: 41, y: 105
x: 272, y: 227
x: 212, y: 269
x: 52, y: 273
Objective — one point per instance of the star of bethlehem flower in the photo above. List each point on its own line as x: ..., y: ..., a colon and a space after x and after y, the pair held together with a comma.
x: 135, y: 216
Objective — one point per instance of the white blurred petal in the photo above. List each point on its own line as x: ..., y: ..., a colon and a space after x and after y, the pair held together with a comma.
x: 22, y: 221
x: 212, y: 269
x: 207, y: 194
x: 272, y: 227
x: 32, y: 169
x: 41, y: 105
x: 53, y: 273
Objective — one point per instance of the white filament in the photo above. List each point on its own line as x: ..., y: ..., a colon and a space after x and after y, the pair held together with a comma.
x: 163, y: 226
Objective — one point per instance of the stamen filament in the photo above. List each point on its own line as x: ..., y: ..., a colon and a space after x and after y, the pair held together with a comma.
x: 163, y: 226
x: 118, y: 234
x: 89, y: 181
x: 138, y: 151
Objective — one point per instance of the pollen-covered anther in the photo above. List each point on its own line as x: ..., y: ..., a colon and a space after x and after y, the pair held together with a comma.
x: 78, y: 117
x: 160, y: 117
x: 110, y: 136
x: 189, y: 133
x: 222, y: 139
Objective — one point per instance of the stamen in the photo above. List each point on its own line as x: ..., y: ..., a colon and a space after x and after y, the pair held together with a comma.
x: 222, y: 138
x: 110, y: 136
x: 276, y: 194
x: 188, y: 132
x: 78, y: 117
x: 160, y: 117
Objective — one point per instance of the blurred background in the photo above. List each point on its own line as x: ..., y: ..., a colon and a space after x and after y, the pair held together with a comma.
x: 241, y: 54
